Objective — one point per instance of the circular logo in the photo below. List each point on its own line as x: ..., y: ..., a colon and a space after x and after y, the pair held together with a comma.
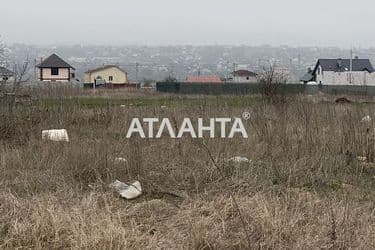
x: 246, y: 115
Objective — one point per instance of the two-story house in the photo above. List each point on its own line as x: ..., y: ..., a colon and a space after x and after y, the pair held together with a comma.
x: 55, y: 69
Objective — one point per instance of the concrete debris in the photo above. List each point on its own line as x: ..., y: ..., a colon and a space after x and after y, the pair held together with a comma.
x: 120, y: 160
x: 239, y: 159
x: 366, y: 119
x: 55, y: 135
x: 127, y: 191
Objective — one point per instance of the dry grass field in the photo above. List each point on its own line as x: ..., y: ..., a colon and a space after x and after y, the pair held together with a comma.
x: 305, y: 187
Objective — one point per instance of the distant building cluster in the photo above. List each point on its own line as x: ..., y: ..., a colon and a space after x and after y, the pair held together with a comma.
x: 339, y: 71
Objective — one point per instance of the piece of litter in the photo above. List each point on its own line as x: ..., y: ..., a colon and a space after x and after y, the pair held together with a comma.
x: 343, y: 100
x: 120, y: 160
x: 163, y: 107
x: 127, y: 191
x: 239, y: 159
x: 55, y: 135
x: 366, y: 119
x: 122, y: 106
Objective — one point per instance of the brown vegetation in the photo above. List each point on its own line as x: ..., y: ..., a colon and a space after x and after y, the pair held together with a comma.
x: 304, y: 188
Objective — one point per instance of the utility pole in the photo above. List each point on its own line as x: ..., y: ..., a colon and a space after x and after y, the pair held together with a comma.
x: 136, y: 72
x: 35, y: 69
x: 351, y: 65
x: 228, y: 73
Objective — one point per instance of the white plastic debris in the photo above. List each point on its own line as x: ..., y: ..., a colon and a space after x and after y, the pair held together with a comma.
x: 122, y: 106
x: 239, y: 159
x: 55, y: 135
x: 362, y: 158
x: 163, y: 107
x: 120, y: 160
x: 127, y: 191
x: 366, y: 119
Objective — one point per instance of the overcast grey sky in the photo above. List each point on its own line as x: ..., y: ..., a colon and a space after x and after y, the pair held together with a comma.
x: 340, y: 23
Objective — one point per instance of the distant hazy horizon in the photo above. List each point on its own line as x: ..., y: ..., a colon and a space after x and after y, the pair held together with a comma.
x: 294, y: 23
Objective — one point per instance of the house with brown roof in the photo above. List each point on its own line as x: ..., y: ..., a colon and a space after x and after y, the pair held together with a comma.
x: 109, y: 75
x: 55, y: 69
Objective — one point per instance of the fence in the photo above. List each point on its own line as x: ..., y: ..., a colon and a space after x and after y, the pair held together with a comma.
x: 245, y: 89
x: 110, y: 86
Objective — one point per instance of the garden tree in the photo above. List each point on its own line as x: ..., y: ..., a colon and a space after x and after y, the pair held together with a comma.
x: 170, y: 79
x: 147, y: 82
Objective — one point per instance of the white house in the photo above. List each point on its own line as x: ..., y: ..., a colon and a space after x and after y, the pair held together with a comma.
x: 343, y: 72
x: 244, y: 76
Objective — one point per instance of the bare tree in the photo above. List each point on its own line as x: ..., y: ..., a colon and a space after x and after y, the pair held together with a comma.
x: 3, y: 83
x: 20, y: 72
x: 271, y: 80
x: 2, y: 63
x: 4, y: 53
x: 170, y: 79
x: 11, y: 92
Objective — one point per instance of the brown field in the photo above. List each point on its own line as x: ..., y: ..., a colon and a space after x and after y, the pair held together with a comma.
x: 305, y: 187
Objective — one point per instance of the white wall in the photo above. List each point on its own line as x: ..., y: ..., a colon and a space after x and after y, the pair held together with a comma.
x: 343, y: 78
x: 244, y: 79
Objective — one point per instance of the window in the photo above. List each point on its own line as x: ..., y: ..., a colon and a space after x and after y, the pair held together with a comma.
x: 110, y: 78
x: 55, y: 71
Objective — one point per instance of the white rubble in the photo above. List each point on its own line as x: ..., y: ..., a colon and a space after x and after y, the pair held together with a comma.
x: 55, y: 135
x: 120, y: 160
x: 239, y: 159
x: 366, y: 119
x: 127, y: 191
x: 361, y: 158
